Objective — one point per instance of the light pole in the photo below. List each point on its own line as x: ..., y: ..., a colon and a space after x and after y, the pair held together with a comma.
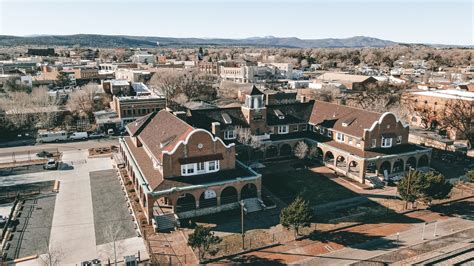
x: 423, y: 234
x: 436, y: 227
x: 242, y: 223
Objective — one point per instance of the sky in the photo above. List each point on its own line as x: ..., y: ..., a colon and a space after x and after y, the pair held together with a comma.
x: 422, y: 21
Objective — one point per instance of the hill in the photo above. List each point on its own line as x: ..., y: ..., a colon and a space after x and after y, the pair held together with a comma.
x: 95, y: 40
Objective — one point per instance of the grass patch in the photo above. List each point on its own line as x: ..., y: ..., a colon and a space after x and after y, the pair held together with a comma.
x: 315, y: 188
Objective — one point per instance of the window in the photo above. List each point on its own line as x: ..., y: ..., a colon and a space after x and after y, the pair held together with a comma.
x: 350, y: 140
x: 386, y: 142
x: 358, y: 144
x: 200, y: 167
x: 340, y: 137
x: 305, y: 127
x: 321, y: 130
x: 374, y: 143
x: 282, y: 129
x: 229, y: 134
x: 295, y: 128
x: 330, y: 133
x: 399, y: 140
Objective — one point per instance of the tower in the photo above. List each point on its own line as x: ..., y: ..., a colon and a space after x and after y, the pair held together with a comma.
x: 255, y: 112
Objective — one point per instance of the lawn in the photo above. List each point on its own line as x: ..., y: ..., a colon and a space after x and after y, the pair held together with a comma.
x: 314, y: 187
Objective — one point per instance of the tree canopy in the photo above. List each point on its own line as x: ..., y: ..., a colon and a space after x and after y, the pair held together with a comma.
x: 204, y: 241
x: 298, y: 214
x: 428, y: 186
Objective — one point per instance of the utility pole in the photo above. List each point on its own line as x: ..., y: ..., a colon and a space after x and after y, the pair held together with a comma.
x: 242, y: 223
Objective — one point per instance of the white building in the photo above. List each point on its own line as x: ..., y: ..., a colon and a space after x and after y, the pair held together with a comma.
x: 143, y: 58
x: 243, y: 74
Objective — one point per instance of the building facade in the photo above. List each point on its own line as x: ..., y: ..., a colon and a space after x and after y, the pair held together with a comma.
x: 180, y: 171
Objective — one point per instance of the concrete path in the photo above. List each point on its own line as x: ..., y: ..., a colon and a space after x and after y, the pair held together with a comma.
x: 73, y: 231
x: 388, y: 244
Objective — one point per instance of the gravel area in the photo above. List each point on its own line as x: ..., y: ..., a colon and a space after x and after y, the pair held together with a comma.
x: 112, y: 219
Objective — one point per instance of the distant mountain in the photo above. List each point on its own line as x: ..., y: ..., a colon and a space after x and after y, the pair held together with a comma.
x: 94, y: 40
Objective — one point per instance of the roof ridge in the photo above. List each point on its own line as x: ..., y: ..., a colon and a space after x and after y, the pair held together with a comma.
x: 352, y: 107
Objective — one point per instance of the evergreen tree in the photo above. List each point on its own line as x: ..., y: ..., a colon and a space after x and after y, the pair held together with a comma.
x: 204, y: 241
x: 298, y: 214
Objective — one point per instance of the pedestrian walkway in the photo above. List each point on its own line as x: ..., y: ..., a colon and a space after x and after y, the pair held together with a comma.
x: 73, y: 232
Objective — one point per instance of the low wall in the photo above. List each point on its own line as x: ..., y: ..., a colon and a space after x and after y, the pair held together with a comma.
x: 209, y: 210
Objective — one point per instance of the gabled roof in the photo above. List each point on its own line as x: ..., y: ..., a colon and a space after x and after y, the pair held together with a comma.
x: 203, y: 118
x: 255, y: 91
x: 162, y: 132
x: 134, y: 128
x: 293, y: 113
x: 333, y: 116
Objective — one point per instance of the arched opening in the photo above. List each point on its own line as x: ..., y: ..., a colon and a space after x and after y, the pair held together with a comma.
x: 423, y: 161
x: 285, y: 150
x: 329, y: 157
x: 385, y: 167
x: 229, y: 195
x: 398, y: 166
x: 371, y: 167
x: 354, y: 167
x: 185, y: 202
x: 249, y: 191
x: 271, y: 151
x: 208, y: 199
x: 162, y: 205
x: 319, y: 153
x: 341, y: 162
x: 411, y: 163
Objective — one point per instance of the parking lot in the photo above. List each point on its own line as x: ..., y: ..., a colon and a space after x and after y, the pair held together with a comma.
x: 74, y: 221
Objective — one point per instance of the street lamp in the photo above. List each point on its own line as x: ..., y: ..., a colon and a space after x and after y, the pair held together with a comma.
x: 242, y: 223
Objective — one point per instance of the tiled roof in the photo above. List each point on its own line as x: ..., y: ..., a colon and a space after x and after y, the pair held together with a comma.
x: 293, y: 113
x: 134, y: 128
x: 203, y: 118
x: 334, y: 116
x: 152, y: 175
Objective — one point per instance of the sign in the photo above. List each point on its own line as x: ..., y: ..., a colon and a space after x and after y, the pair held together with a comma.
x: 209, y: 194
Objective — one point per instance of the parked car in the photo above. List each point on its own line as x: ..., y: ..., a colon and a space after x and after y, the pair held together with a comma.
x: 96, y: 135
x: 78, y: 136
x: 51, y: 165
x: 44, y: 154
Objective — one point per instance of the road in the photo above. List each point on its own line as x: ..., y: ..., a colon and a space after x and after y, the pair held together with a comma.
x: 23, y: 153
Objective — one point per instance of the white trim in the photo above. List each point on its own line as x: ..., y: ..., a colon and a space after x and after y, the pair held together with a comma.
x: 185, y: 142
x: 381, y: 119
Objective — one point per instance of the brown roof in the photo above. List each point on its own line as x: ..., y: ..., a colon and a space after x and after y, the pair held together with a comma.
x: 333, y: 116
x: 152, y: 175
x: 134, y: 128
x: 163, y: 132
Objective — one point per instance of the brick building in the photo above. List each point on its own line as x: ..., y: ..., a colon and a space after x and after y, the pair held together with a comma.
x: 180, y: 171
x: 354, y: 142
x: 129, y: 108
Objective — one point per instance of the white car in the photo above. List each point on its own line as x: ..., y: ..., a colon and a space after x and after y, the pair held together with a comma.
x: 78, y: 136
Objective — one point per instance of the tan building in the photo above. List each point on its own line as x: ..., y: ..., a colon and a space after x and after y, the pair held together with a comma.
x: 427, y: 108
x: 180, y: 171
x: 351, y: 82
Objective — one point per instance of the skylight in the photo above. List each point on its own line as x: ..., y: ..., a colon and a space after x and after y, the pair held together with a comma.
x: 279, y: 114
x: 227, y: 118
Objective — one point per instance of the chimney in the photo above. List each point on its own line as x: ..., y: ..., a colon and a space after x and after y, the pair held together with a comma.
x: 216, y: 128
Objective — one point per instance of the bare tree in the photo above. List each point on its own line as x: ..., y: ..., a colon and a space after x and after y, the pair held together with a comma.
x: 113, y: 232
x: 245, y: 136
x: 82, y: 102
x: 301, y: 150
x: 167, y: 82
x: 458, y: 116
